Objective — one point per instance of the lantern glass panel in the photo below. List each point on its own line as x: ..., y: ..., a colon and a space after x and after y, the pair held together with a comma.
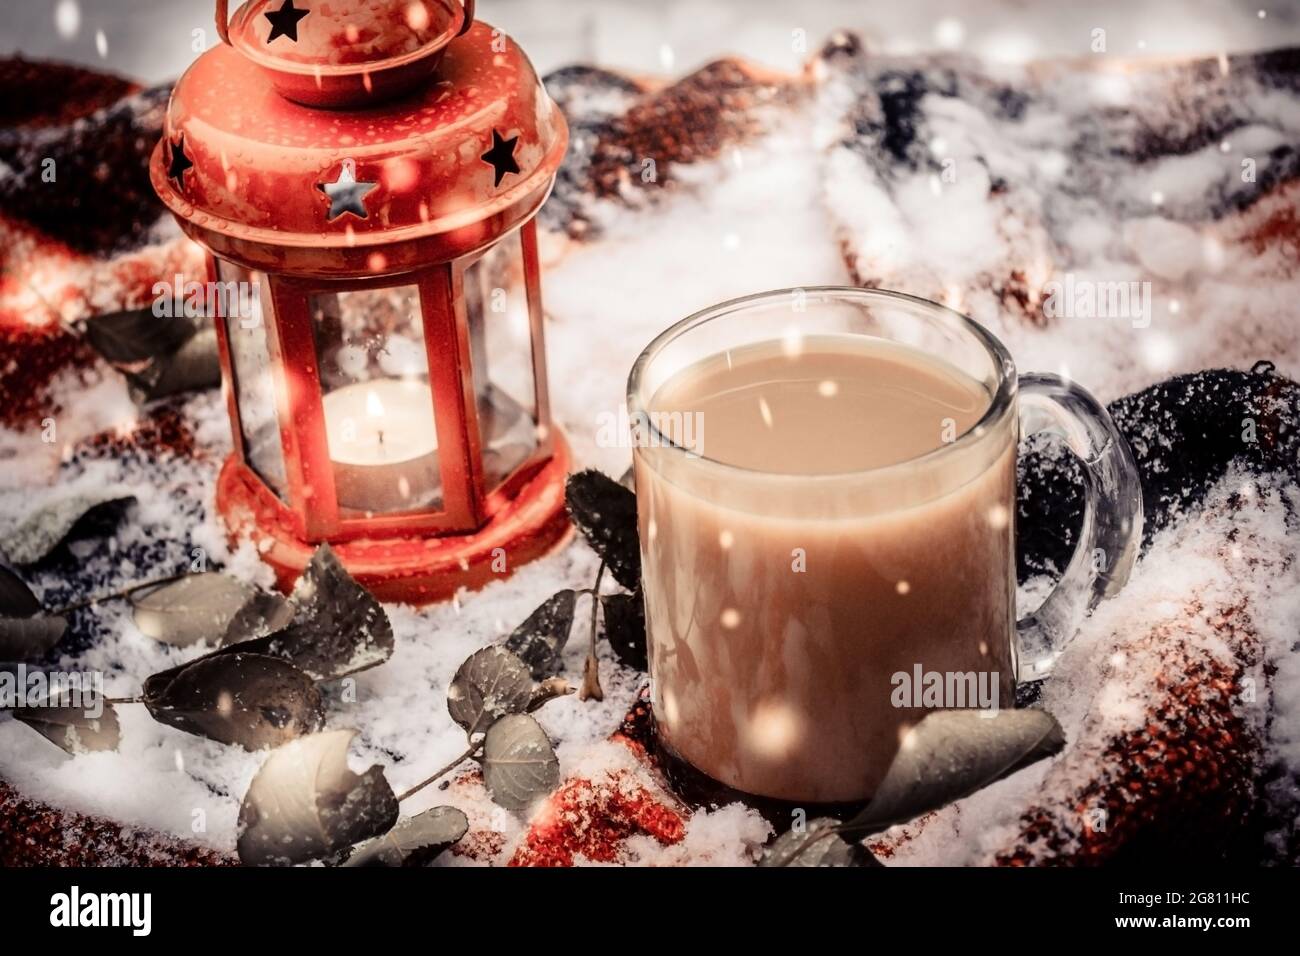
x: 496, y: 308
x: 248, y: 335
x: 377, y: 401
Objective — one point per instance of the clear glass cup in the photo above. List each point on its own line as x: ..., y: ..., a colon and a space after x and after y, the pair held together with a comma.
x: 777, y: 680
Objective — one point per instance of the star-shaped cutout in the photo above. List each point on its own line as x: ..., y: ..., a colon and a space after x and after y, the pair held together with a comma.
x: 179, y: 163
x: 284, y: 22
x: 501, y: 157
x: 346, y: 194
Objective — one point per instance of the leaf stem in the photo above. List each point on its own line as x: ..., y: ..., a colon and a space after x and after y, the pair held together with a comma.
x: 591, y: 689
x: 119, y: 595
x: 124, y: 700
x: 547, y: 690
x: 473, y: 749
x: 804, y: 846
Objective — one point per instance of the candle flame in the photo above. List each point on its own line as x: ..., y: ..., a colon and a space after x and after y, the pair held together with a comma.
x: 374, y: 407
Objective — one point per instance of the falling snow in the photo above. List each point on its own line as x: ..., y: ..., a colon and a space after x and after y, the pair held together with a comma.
x: 834, y: 207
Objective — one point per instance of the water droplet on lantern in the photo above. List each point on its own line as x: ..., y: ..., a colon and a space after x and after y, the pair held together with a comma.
x: 417, y: 16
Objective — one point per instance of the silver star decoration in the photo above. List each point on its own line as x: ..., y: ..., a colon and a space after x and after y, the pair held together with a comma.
x: 346, y: 194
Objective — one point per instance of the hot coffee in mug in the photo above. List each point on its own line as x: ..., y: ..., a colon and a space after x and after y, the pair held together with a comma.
x: 826, y: 494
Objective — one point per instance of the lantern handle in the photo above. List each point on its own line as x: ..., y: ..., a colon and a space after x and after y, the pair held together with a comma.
x: 223, y: 19
x: 223, y: 22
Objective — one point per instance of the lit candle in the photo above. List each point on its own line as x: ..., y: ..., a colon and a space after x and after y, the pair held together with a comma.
x: 384, y: 444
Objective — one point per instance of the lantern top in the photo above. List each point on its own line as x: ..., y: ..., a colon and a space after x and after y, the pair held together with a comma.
x: 338, y: 53
x: 463, y: 158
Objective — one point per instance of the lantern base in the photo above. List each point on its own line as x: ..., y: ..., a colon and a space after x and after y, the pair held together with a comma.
x: 411, y: 570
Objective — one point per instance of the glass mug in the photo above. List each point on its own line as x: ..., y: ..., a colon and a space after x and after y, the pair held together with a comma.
x: 792, y: 614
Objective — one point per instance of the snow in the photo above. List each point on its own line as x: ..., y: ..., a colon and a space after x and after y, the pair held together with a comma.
x: 1106, y: 681
x: 1108, y: 195
x: 768, y: 214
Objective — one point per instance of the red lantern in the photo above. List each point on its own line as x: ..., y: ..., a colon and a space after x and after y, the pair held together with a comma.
x: 371, y: 170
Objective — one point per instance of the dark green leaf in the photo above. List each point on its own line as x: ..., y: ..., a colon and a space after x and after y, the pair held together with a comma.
x: 71, y: 729
x: 265, y: 613
x: 16, y: 598
x: 491, y: 683
x: 192, y: 367
x: 951, y: 754
x: 246, y: 699
x: 67, y: 519
x: 415, y: 841
x: 806, y: 848
x: 338, y: 627
x: 305, y: 803
x: 625, y: 628
x: 28, y: 638
x: 208, y: 608
x: 137, y: 335
x: 540, y: 639
x: 519, y: 764
x: 605, y: 513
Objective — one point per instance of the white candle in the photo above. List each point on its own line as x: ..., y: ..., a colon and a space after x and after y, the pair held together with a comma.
x: 383, y: 442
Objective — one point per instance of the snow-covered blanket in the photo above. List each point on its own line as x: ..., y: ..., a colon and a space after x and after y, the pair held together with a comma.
x: 987, y: 189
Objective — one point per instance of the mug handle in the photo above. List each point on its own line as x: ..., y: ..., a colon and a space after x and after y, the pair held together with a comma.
x: 1112, y: 517
x: 223, y: 22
